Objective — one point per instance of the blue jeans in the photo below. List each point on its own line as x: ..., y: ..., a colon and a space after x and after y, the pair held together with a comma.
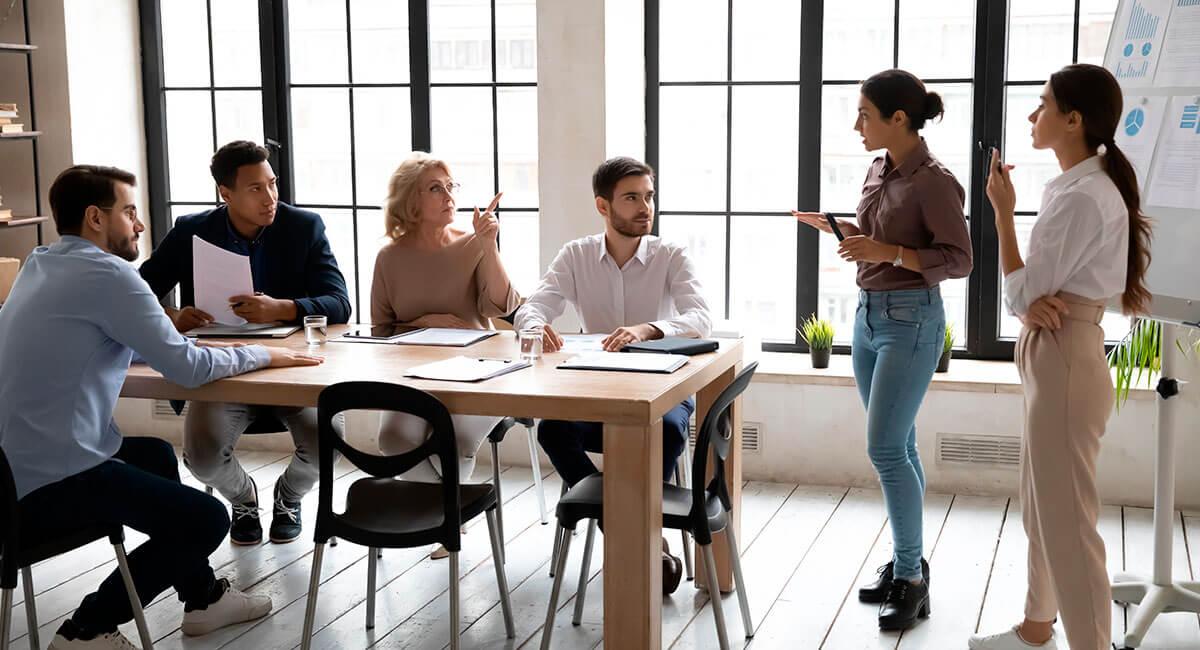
x: 898, y: 339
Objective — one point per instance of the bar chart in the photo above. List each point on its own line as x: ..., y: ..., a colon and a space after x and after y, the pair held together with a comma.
x: 1144, y: 24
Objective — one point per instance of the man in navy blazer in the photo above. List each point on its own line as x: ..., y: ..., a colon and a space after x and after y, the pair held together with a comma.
x: 295, y: 275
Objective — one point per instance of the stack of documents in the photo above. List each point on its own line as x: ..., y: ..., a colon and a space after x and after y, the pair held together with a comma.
x: 249, y: 330
x: 626, y: 361
x: 466, y: 369
x: 438, y: 336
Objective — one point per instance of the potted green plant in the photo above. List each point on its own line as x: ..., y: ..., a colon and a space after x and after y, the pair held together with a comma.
x: 947, y: 349
x: 818, y: 334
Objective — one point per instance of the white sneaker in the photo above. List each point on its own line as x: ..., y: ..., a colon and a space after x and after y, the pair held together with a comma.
x: 232, y: 607
x: 109, y: 641
x: 1009, y: 640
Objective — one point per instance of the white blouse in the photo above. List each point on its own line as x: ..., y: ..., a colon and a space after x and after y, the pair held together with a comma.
x: 1080, y: 242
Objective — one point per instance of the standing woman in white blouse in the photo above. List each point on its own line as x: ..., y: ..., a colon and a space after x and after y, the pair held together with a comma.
x: 1090, y: 243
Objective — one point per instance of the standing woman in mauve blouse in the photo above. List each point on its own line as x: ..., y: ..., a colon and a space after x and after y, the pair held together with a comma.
x: 911, y: 235
x: 433, y: 275
x: 1090, y: 243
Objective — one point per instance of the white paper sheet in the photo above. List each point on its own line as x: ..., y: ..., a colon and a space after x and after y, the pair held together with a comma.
x: 444, y: 337
x: 1138, y: 132
x: 1139, y: 33
x: 465, y: 369
x: 1179, y: 64
x: 578, y: 343
x: 627, y: 361
x: 219, y: 275
x: 1176, y: 178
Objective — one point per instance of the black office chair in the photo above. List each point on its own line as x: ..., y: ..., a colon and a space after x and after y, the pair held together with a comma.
x: 701, y: 510
x: 22, y: 549
x: 382, y: 512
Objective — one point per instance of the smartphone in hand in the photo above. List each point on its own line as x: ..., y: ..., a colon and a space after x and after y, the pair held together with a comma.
x: 834, y: 225
x: 987, y: 151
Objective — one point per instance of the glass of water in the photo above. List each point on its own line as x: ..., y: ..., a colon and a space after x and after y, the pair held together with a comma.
x: 315, y: 329
x: 531, y: 343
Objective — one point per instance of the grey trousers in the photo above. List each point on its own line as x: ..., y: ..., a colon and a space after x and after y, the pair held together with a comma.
x: 210, y: 431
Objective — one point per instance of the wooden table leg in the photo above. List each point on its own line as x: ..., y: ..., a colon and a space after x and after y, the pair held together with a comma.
x: 632, y: 536
x: 733, y: 479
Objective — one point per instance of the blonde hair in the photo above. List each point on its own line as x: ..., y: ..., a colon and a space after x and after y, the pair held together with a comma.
x: 398, y: 213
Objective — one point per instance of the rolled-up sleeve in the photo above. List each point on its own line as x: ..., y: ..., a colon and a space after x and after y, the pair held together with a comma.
x: 1064, y: 239
x: 948, y: 254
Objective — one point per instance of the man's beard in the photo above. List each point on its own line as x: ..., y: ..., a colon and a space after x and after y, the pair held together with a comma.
x: 628, y: 227
x: 127, y: 250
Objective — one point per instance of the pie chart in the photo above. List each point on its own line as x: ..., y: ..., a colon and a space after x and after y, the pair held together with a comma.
x: 1134, y: 121
x: 1129, y: 49
x: 1146, y: 50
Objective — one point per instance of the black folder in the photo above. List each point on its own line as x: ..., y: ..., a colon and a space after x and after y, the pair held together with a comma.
x: 673, y: 345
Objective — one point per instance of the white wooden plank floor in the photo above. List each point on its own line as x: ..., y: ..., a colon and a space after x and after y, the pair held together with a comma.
x: 805, y: 549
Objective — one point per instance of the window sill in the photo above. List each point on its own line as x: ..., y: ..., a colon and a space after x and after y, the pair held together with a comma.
x: 965, y: 375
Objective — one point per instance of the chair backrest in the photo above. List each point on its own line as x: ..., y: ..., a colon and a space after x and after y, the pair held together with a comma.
x: 715, y: 434
x: 9, y: 525
x: 380, y: 396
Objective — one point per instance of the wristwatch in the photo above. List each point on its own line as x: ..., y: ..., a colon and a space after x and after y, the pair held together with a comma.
x: 899, y: 261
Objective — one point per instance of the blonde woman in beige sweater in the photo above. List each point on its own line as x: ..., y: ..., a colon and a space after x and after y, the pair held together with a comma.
x: 432, y: 275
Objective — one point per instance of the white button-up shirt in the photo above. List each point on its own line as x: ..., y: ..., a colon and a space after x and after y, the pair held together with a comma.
x: 658, y: 285
x: 1080, y: 242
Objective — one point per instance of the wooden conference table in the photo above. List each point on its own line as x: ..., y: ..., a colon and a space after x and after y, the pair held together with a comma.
x: 630, y: 405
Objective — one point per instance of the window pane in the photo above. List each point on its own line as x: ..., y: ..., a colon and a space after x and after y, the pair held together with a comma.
x: 857, y: 38
x: 766, y: 21
x: 185, y: 43
x: 1033, y: 168
x: 379, y: 40
x: 1039, y: 37
x: 837, y: 294
x: 1095, y: 22
x: 189, y: 145
x: 765, y: 136
x: 692, y: 167
x: 462, y: 31
x: 949, y: 140
x: 938, y: 38
x: 239, y: 116
x: 704, y: 236
x: 317, y: 30
x: 518, y: 146
x: 954, y: 302
x: 693, y: 40
x: 762, y: 277
x: 370, y: 239
x: 339, y: 228
x: 235, y: 43
x: 844, y: 162
x: 516, y: 36
x: 462, y: 136
x: 519, y: 250
x: 321, y: 144
x: 382, y: 139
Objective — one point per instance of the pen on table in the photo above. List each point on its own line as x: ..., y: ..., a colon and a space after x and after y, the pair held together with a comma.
x: 500, y: 360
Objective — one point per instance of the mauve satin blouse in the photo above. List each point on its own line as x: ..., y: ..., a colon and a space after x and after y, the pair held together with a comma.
x: 918, y: 205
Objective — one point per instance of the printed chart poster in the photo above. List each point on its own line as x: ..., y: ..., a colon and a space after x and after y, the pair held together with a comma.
x: 1139, y: 34
x: 1176, y: 182
x: 1179, y: 64
x: 1138, y: 132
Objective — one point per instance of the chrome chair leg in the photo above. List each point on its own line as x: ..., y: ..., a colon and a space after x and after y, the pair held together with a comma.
x: 585, y: 569
x: 35, y: 643
x: 310, y: 609
x: 499, y: 500
x: 5, y: 616
x: 501, y: 577
x: 454, y: 600
x: 736, y: 555
x: 535, y: 464
x: 135, y: 602
x: 714, y: 596
x: 372, y: 558
x: 548, y: 628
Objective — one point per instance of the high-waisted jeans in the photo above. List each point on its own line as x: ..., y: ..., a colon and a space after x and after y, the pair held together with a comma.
x: 898, y: 338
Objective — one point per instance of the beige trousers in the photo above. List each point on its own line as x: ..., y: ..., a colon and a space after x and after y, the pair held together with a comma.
x: 1068, y: 398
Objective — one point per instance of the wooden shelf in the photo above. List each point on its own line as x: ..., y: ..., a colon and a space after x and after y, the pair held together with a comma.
x: 22, y: 221
x: 16, y: 47
x: 24, y: 135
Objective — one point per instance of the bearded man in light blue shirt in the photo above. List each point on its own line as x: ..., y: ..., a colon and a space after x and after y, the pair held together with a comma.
x: 76, y: 315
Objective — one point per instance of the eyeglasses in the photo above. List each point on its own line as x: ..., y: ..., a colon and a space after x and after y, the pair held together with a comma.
x: 450, y: 188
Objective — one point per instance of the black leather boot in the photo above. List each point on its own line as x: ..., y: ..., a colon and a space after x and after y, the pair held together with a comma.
x: 876, y: 592
x: 905, y: 603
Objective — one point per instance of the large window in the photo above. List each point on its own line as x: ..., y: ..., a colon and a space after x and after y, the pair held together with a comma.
x: 353, y: 86
x: 769, y: 89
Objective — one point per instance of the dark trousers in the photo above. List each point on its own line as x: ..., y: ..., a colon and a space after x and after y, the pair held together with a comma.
x: 567, y: 443
x: 143, y: 492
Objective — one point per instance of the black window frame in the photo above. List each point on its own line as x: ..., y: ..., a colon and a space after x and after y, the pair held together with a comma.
x: 982, y: 339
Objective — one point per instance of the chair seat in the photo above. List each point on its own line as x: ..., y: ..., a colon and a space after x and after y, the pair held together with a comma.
x: 396, y: 507
x: 36, y: 547
x: 585, y: 501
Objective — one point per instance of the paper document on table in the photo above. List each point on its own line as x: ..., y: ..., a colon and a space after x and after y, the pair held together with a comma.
x: 579, y: 343
x: 443, y: 336
x: 1179, y: 64
x: 1138, y: 132
x: 219, y: 275
x: 465, y: 369
x: 626, y: 361
x: 1176, y: 177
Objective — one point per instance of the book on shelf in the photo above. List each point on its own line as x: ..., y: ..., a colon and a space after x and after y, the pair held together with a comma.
x: 7, y: 120
x: 8, y: 107
x: 5, y: 215
x: 12, y: 128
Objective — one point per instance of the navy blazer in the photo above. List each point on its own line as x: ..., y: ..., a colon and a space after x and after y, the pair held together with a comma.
x: 291, y: 258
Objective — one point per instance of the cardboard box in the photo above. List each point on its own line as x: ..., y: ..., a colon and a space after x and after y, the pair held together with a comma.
x: 8, y: 275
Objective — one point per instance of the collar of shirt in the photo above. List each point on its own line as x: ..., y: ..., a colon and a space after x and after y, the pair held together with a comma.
x: 1081, y: 169
x: 71, y: 242
x: 918, y: 157
x: 236, y: 238
x: 642, y: 254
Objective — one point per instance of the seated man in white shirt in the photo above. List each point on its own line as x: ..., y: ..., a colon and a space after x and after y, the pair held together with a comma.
x: 625, y: 282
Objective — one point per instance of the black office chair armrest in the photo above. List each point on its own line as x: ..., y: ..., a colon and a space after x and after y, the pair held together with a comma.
x: 496, y: 435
